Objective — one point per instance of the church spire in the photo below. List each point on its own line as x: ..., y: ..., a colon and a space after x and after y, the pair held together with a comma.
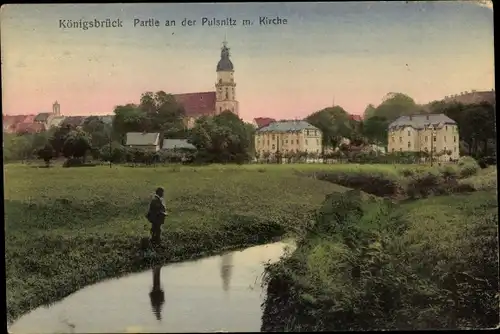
x: 225, y: 63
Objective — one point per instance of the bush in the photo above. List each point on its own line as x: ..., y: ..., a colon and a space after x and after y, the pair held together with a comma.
x: 378, y: 184
x: 467, y: 167
x: 487, y: 161
x: 76, y: 162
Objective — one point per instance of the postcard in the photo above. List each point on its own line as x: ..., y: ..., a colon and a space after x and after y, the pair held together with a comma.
x: 246, y: 167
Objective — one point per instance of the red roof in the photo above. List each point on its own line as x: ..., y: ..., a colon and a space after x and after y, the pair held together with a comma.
x: 197, y: 104
x: 29, y: 127
x: 14, y: 119
x: 263, y: 121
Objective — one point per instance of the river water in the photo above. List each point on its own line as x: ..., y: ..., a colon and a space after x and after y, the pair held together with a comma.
x: 218, y: 293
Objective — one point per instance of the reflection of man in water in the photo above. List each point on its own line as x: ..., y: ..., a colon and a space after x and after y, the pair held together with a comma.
x: 156, y: 215
x: 226, y: 270
x: 157, y: 295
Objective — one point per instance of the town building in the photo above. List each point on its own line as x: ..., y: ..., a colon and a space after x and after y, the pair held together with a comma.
x: 215, y: 102
x: 436, y: 134
x: 288, y: 136
x: 145, y: 141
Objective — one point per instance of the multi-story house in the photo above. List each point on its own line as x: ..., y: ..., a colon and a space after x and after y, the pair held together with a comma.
x: 288, y: 136
x: 436, y: 133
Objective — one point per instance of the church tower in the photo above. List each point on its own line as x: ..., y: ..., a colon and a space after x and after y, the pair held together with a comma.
x: 225, y: 85
x: 56, y: 109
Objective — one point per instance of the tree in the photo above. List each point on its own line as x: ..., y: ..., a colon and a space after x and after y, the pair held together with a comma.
x: 334, y: 123
x: 77, y: 144
x: 369, y: 111
x: 46, y: 154
x: 98, y: 131
x: 375, y: 129
x: 116, y: 153
x: 223, y: 138
x: 16, y: 147
x: 156, y: 112
x: 395, y: 105
x: 58, y: 139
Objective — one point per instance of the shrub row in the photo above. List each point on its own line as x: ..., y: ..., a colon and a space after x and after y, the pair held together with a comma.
x: 410, y: 183
x: 367, y: 265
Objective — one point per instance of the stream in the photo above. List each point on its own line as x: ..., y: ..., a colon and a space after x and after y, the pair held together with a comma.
x: 217, y: 293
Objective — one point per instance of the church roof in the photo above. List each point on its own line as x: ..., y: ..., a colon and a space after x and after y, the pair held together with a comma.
x: 42, y: 117
x: 197, y: 104
x: 225, y: 63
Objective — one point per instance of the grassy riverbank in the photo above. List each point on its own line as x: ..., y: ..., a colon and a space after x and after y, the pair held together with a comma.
x: 70, y: 227
x: 374, y: 264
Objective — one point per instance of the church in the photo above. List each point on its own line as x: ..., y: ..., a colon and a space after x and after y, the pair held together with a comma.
x: 212, y: 103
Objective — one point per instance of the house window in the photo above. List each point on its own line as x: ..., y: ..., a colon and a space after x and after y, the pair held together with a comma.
x: 392, y: 149
x: 393, y: 139
x: 409, y: 133
x: 409, y: 144
x: 315, y: 132
x: 286, y: 141
x: 434, y: 149
x: 426, y: 149
x: 317, y: 141
x: 274, y: 147
x: 426, y: 139
x: 400, y: 139
x: 434, y: 138
x: 297, y: 142
x: 446, y: 128
x: 307, y: 132
x: 444, y: 138
x: 454, y: 139
x: 272, y: 137
x: 306, y: 141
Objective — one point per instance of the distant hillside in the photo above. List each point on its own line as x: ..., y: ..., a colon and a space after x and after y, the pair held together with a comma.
x: 472, y: 97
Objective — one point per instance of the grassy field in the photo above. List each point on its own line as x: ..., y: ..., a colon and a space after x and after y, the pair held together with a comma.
x: 368, y: 264
x: 70, y: 227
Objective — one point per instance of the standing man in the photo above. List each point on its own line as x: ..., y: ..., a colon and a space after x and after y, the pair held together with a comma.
x: 156, y: 215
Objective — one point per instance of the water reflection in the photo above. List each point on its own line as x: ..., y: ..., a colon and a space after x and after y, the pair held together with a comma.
x: 157, y: 296
x: 226, y: 268
x: 196, y: 301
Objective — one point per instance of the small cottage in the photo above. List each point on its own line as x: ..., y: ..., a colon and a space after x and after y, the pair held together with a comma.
x: 177, y: 145
x: 143, y: 140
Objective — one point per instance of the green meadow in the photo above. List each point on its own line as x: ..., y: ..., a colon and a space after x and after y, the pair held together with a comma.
x: 70, y: 227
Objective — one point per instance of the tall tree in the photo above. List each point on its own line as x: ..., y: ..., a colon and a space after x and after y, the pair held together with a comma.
x: 375, y: 129
x: 334, y: 123
x: 369, y: 111
x: 77, y: 144
x: 395, y: 105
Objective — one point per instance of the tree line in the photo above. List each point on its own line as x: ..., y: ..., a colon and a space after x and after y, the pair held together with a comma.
x: 225, y: 138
